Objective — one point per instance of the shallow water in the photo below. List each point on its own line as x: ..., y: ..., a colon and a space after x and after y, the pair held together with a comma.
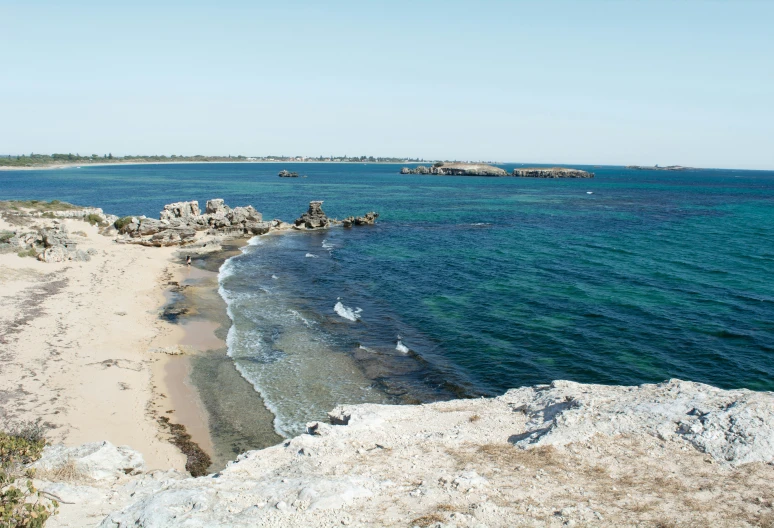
x: 469, y: 286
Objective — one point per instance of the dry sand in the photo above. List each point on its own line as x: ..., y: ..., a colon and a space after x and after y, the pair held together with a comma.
x: 77, y: 344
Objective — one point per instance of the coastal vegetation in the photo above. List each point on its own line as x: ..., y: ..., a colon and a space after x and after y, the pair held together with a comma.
x: 21, y: 503
x: 33, y: 160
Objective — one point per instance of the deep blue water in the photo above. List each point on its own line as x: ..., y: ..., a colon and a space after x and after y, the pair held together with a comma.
x: 491, y: 283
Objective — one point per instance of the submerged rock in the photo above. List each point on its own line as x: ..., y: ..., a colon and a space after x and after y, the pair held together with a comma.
x: 367, y: 219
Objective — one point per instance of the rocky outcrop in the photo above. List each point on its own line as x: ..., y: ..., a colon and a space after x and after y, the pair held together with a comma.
x: 285, y: 174
x: 367, y: 219
x: 179, y: 222
x: 313, y: 218
x: 550, y: 455
x: 58, y: 247
x: 97, y: 460
x: 180, y: 210
x: 552, y: 172
x: 457, y: 169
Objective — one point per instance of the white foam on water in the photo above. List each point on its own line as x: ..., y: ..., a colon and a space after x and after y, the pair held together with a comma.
x: 301, y: 318
x: 309, y: 255
x: 400, y: 347
x: 274, y: 277
x: 361, y: 347
x: 327, y: 245
x: 346, y: 312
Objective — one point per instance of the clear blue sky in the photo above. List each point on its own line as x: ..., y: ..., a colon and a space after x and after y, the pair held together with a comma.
x: 598, y: 82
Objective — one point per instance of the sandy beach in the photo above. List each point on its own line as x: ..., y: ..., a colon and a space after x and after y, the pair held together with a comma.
x: 83, y: 347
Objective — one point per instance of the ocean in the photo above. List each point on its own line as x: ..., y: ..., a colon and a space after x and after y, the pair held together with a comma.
x: 469, y: 286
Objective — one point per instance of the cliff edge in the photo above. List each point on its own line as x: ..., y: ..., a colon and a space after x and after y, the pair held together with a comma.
x: 563, y: 454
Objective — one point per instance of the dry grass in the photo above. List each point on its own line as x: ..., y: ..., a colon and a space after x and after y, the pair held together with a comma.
x: 427, y: 520
x: 67, y: 472
x: 474, y: 418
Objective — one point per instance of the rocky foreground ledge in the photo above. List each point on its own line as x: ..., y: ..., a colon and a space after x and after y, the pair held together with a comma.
x: 566, y: 454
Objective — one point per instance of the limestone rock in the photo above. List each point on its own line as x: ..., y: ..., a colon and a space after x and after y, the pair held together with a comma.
x: 285, y: 174
x: 734, y: 426
x: 314, y: 218
x: 170, y: 237
x: 53, y: 254
x: 216, y: 206
x: 552, y: 172
x: 97, y: 460
x: 257, y: 228
x: 180, y: 210
x: 367, y: 219
x: 457, y: 169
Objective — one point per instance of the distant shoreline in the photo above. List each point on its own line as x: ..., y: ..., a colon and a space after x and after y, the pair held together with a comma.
x: 108, y: 164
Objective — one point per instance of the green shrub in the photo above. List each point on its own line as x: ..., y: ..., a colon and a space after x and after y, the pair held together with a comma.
x: 94, y: 219
x: 121, y: 222
x: 5, y: 236
x: 21, y: 504
x: 32, y: 252
x: 438, y: 164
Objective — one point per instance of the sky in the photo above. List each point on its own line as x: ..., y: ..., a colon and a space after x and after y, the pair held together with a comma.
x: 585, y: 82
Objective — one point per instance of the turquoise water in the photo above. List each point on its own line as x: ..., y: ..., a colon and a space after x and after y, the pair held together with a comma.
x: 470, y: 286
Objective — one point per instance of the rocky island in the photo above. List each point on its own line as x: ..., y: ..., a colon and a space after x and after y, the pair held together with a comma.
x: 477, y: 169
x: 552, y: 172
x: 658, y: 168
x: 286, y: 174
x: 456, y: 169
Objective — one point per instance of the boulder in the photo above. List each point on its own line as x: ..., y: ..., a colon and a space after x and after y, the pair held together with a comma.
x: 285, y: 174
x: 148, y: 226
x: 97, y: 460
x: 216, y: 206
x: 240, y: 215
x: 257, y: 228
x: 53, y: 254
x: 55, y: 236
x: 180, y: 210
x: 367, y: 219
x: 314, y: 218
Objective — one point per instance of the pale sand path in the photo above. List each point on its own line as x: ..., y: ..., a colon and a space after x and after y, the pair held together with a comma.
x: 74, y: 348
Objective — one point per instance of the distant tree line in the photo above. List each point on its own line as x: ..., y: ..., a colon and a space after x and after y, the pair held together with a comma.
x: 41, y: 160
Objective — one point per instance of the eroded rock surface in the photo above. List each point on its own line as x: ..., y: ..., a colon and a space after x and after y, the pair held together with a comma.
x: 552, y: 172
x: 551, y: 455
x: 314, y: 217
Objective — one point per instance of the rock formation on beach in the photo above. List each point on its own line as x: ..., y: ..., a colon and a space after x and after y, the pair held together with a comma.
x: 314, y: 217
x: 552, y: 172
x: 564, y: 454
x: 52, y: 243
x: 457, y: 169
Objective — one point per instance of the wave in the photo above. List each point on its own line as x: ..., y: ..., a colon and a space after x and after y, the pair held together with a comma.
x: 327, y: 245
x: 309, y: 255
x: 346, y: 312
x: 400, y: 347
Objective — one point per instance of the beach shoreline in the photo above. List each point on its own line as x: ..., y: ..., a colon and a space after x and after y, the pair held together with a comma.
x: 88, y: 353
